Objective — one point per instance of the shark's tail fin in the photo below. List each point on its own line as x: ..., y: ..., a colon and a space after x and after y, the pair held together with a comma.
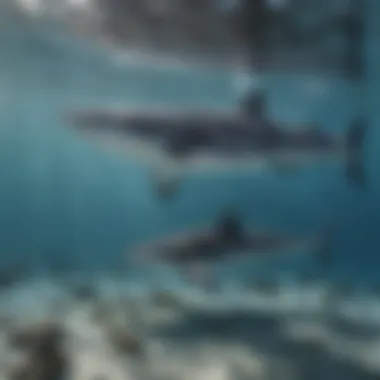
x: 354, y: 141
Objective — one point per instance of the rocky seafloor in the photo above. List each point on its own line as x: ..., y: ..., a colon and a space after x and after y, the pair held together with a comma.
x: 105, y: 328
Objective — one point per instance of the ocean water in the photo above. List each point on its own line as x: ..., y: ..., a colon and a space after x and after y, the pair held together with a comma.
x: 70, y: 207
x: 66, y: 204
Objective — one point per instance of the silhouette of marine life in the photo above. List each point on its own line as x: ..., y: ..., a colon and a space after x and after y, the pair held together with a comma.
x: 190, y: 140
x: 191, y: 251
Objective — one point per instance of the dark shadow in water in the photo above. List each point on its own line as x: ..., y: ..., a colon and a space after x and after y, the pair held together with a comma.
x: 265, y: 334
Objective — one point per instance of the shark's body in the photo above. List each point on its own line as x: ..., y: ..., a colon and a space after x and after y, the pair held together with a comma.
x: 226, y: 240
x: 184, y: 140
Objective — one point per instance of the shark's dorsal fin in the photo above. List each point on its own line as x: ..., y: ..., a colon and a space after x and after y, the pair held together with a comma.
x: 229, y: 228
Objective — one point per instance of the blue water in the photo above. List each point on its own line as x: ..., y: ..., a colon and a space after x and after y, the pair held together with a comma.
x: 65, y: 203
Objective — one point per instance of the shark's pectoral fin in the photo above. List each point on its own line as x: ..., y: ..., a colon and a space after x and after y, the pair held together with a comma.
x: 167, y: 179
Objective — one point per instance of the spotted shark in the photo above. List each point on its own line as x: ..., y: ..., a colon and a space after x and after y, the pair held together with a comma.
x: 192, y: 252
x: 174, y: 141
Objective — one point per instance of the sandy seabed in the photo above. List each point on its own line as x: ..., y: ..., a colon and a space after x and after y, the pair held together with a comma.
x: 107, y: 328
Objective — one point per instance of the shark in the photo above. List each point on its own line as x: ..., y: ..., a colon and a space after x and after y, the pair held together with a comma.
x: 192, y: 252
x: 175, y: 141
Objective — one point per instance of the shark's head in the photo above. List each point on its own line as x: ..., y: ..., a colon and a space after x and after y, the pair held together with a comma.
x: 128, y: 123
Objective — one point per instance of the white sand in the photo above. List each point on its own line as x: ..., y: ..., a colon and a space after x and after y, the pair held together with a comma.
x: 93, y: 356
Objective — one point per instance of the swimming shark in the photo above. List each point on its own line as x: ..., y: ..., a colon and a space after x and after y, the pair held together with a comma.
x: 178, y: 140
x: 192, y: 252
